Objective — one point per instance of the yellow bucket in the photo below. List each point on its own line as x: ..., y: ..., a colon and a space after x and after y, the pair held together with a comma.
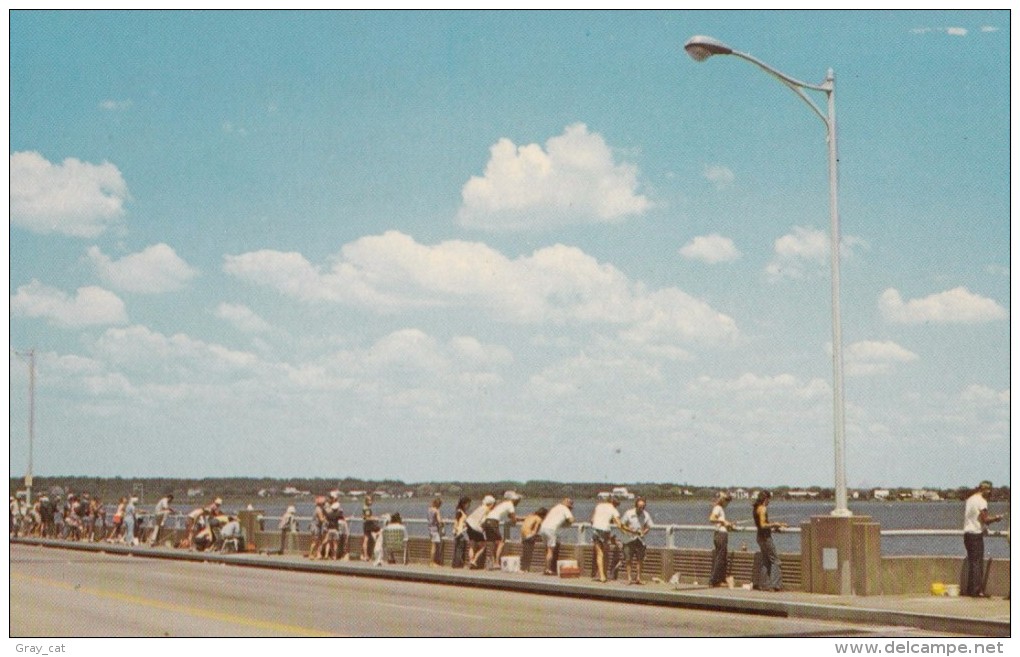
x: 938, y: 588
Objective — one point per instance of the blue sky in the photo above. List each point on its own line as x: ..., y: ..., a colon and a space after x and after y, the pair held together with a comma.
x: 508, y: 245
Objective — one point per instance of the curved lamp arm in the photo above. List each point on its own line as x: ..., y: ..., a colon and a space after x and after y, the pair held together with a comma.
x: 701, y: 48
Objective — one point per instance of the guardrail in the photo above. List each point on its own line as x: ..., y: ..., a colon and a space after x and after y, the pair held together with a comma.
x: 581, y: 530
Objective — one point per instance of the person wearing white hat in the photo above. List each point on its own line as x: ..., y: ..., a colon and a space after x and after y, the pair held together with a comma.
x: 475, y: 532
x: 503, y: 514
x: 214, y: 507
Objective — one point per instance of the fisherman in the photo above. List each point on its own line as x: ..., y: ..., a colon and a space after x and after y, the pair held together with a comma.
x: 502, y: 515
x: 603, y: 519
x: 558, y: 517
x: 639, y: 522
x: 975, y: 525
x: 720, y: 540
x: 162, y: 513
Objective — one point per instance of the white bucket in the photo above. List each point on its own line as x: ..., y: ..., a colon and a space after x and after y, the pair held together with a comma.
x: 572, y: 563
x: 510, y: 564
x: 953, y: 590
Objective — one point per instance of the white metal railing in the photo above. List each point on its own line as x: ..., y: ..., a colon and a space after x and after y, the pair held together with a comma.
x: 581, y: 530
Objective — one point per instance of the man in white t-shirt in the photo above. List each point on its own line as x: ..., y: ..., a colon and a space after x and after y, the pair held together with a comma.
x: 639, y: 522
x: 504, y: 513
x: 232, y: 536
x: 603, y: 519
x: 475, y: 532
x: 558, y: 517
x: 975, y: 524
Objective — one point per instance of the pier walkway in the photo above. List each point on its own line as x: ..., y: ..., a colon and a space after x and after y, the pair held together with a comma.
x: 958, y: 615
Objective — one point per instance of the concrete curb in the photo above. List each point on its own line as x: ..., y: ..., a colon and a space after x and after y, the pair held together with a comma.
x: 701, y: 600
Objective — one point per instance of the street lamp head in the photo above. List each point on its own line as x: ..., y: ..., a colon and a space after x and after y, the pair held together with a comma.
x: 701, y: 48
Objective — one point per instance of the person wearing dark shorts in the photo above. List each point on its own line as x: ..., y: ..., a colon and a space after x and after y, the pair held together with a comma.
x: 475, y: 528
x: 490, y: 530
x: 638, y: 523
x: 370, y: 525
x: 475, y: 535
x: 493, y: 537
x: 604, y: 518
x: 503, y: 514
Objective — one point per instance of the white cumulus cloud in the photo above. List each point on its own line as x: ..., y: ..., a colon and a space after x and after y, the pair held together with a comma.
x: 805, y: 252
x: 875, y: 357
x: 573, y: 180
x: 89, y: 306
x: 719, y: 175
x: 141, y: 349
x: 754, y: 385
x: 580, y: 374
x: 73, y: 198
x: 711, y: 249
x: 796, y: 252
x: 951, y: 31
x: 956, y: 306
x: 155, y: 269
x: 553, y: 285
x: 242, y: 317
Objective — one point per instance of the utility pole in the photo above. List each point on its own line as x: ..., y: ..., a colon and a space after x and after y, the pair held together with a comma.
x: 29, y: 356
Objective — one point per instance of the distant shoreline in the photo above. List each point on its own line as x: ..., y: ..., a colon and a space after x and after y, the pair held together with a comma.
x: 279, y: 489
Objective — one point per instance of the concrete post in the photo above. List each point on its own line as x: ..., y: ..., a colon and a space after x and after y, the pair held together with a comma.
x: 842, y: 555
x: 806, y: 552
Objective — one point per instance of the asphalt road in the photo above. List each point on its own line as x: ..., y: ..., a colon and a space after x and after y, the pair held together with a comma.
x: 64, y: 593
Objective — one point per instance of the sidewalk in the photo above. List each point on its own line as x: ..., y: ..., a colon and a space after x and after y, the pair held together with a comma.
x: 967, y: 616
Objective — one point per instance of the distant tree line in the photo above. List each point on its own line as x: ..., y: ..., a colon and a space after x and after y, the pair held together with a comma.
x: 112, y: 488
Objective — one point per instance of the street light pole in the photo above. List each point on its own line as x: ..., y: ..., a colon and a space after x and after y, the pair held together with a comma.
x: 29, y: 356
x: 701, y: 48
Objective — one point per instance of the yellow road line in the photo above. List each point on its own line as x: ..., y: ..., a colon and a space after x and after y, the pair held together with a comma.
x: 167, y: 606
